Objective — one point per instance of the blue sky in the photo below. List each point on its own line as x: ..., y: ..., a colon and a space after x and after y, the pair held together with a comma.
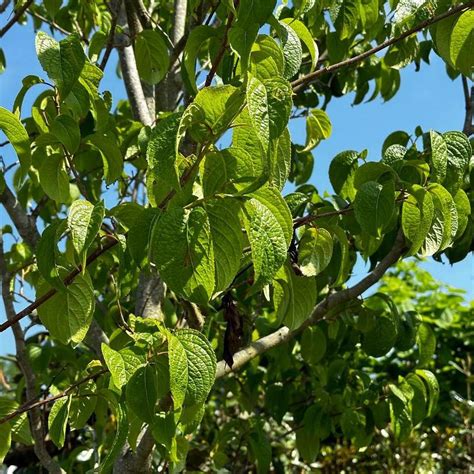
x: 427, y: 98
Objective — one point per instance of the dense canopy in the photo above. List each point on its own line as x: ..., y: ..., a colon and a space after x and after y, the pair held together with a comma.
x: 180, y: 294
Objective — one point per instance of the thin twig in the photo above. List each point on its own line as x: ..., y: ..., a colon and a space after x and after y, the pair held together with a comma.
x: 15, y: 17
x: 29, y: 405
x: 308, y: 78
x: 220, y: 53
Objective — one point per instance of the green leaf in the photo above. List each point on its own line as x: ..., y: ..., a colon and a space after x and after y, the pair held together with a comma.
x: 381, y: 337
x: 27, y: 82
x: 196, y: 39
x: 68, y: 315
x: 16, y: 134
x: 417, y: 216
x: 266, y: 59
x: 269, y: 230
x: 178, y: 362
x: 307, y: 437
x: 306, y: 37
x: 241, y: 39
x: 121, y: 431
x: 255, y: 10
x: 341, y: 173
x: 314, y: 251
x: 279, y: 101
x: 257, y: 102
x: 459, y: 154
x: 111, y: 156
x: 439, y: 156
x: 63, y: 61
x: 142, y: 393
x: 57, y: 420
x: 84, y: 221
x: 139, y: 234
x: 462, y: 43
x: 433, y: 388
x: 181, y: 247
x: 161, y: 151
x: 345, y: 17
x: 192, y: 367
x: 47, y: 254
x: 151, y: 54
x: 318, y: 127
x: 445, y: 221
x: 83, y: 406
x: 463, y: 208
x: 212, y: 112
x: 374, y: 205
x: 5, y: 440
x: 426, y: 341
x: 227, y: 241
x: 294, y: 297
x: 66, y: 130
x: 292, y: 51
x: 53, y: 178
x: 313, y: 345
x: 122, y: 364
x: 280, y: 159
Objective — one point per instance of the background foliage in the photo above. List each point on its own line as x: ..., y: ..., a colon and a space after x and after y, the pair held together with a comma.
x: 159, y: 238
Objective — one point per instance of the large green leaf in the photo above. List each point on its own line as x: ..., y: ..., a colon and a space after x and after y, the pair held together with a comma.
x: 433, y: 388
x: 294, y: 297
x: 241, y: 39
x: 313, y: 345
x: 142, y: 393
x: 306, y: 37
x: 192, y: 366
x: 121, y: 431
x: 257, y: 102
x: 16, y: 134
x: 269, y: 230
x: 291, y: 46
x: 439, y: 156
x: 53, y: 178
x: 111, y: 156
x: 5, y: 440
x: 314, y: 251
x: 151, y: 53
x: 122, y: 364
x: 345, y: 16
x: 459, y: 154
x: 62, y: 61
x: 47, y: 253
x: 68, y: 315
x: 307, y: 436
x: 426, y: 341
x: 266, y: 59
x: 341, y: 173
x: 318, y: 127
x: 381, y: 337
x: 226, y: 233
x: 66, y: 130
x: 417, y: 216
x: 84, y: 221
x: 374, y: 205
x: 463, y: 207
x: 462, y: 43
x: 279, y: 104
x: 57, y: 420
x: 161, y: 152
x: 181, y: 247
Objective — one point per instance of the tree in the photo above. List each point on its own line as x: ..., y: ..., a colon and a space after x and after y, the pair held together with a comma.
x: 199, y: 294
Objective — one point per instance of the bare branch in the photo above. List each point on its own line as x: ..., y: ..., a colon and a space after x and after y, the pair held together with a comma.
x: 303, y: 81
x: 284, y: 334
x: 15, y: 17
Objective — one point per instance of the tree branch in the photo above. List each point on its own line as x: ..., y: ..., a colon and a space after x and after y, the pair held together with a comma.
x: 15, y: 17
x: 284, y: 334
x: 35, y: 418
x: 298, y: 84
x: 468, y: 128
x: 220, y: 53
x: 24, y: 223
